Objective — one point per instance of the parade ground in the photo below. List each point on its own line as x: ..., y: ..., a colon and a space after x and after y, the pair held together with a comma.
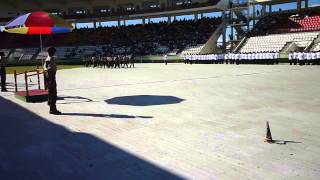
x: 177, y: 121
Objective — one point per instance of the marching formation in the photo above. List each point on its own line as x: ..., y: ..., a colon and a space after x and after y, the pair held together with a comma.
x: 117, y: 61
x: 303, y: 58
x: 234, y: 58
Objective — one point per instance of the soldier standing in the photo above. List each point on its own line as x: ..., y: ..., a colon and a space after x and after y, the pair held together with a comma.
x: 165, y: 59
x: 3, y: 73
x: 51, y: 69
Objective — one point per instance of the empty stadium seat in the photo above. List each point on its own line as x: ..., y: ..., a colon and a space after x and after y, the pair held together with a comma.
x: 61, y: 53
x: 5, y: 51
x: 276, y: 42
x: 192, y: 49
x: 308, y: 23
x: 29, y: 53
x: 316, y: 47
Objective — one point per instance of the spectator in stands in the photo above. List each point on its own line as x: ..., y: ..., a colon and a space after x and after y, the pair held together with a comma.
x: 3, y: 73
x: 51, y: 69
x: 141, y: 39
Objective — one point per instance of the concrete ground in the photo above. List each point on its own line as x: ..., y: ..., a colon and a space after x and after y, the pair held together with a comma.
x: 167, y: 122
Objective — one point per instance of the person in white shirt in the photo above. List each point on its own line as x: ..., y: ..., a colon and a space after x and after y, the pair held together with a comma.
x: 226, y: 58
x: 277, y: 57
x: 264, y: 58
x: 313, y: 57
x: 300, y: 58
x: 165, y: 59
x: 295, y: 58
x: 305, y: 58
x: 317, y: 61
x: 309, y: 58
x: 192, y: 58
x: 231, y: 58
x: 249, y: 59
x: 236, y: 58
x: 290, y: 57
x: 261, y: 58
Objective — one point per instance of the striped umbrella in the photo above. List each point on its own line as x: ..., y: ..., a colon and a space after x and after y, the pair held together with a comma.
x: 40, y: 22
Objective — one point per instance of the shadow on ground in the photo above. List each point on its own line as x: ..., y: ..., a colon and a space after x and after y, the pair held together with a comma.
x: 34, y: 148
x: 144, y: 100
x: 284, y: 142
x: 107, y: 115
x: 73, y: 100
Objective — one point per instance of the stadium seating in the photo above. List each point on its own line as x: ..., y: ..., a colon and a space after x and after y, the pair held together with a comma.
x: 5, y: 51
x: 308, y: 23
x: 29, y: 53
x: 85, y: 51
x: 276, y: 42
x: 42, y: 55
x: 316, y: 47
x: 62, y: 53
x: 162, y: 49
x: 286, y: 22
x: 148, y: 39
x: 192, y: 50
x: 17, y: 54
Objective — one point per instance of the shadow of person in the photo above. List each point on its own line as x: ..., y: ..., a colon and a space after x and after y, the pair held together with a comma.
x: 144, y: 100
x: 284, y: 142
x: 32, y: 147
x: 107, y: 115
x: 73, y: 100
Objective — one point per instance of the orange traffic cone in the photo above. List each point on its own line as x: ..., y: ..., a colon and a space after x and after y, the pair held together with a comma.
x: 268, y: 134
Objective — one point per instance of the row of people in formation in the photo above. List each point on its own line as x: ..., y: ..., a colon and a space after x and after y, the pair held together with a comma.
x: 303, y: 58
x: 234, y: 58
x: 119, y: 61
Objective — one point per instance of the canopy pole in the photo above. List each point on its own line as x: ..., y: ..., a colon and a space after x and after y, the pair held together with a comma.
x: 40, y: 42
x: 41, y: 45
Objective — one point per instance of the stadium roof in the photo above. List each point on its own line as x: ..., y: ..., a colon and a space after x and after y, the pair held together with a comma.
x: 19, y: 6
x: 69, y: 8
x: 82, y: 10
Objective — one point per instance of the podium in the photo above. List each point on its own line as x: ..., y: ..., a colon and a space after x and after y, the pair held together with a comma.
x: 34, y: 95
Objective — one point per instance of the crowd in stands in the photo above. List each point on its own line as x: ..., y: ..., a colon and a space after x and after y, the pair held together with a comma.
x: 138, y: 39
x: 145, y: 39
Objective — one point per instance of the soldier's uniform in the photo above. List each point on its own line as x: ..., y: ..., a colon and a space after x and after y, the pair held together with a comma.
x: 51, y: 69
x: 3, y: 73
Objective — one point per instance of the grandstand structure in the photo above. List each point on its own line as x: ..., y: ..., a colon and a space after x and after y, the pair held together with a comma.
x: 240, y: 28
